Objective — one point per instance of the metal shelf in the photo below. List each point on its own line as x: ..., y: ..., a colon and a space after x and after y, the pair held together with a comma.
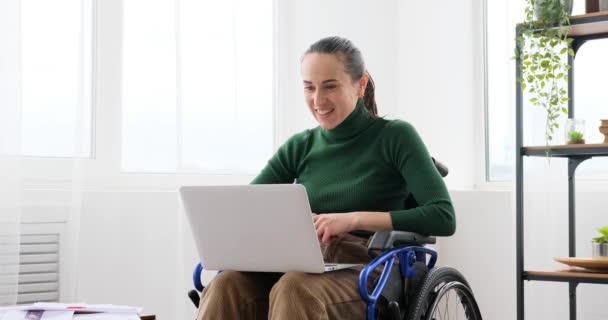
x: 566, y: 151
x: 584, y: 29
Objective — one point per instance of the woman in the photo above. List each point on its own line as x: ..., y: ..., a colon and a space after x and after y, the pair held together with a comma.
x: 358, y: 170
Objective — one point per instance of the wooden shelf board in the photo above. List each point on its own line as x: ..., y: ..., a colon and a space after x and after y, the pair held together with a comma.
x: 589, y: 24
x: 570, y: 146
x: 596, y: 149
x: 565, y: 275
x: 578, y: 272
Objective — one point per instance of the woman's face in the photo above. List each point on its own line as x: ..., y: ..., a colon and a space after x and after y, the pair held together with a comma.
x: 329, y: 91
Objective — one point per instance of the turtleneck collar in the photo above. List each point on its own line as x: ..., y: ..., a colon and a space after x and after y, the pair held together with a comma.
x: 357, y: 121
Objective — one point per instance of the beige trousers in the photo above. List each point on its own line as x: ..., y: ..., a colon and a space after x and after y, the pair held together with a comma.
x: 293, y: 295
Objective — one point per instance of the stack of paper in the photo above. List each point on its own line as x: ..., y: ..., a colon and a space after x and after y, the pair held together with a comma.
x: 63, y: 311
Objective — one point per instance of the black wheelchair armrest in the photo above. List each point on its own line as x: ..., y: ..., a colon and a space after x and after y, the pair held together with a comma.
x: 443, y: 169
x: 383, y: 240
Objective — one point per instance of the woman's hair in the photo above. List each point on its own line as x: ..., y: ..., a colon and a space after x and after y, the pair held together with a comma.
x: 353, y: 63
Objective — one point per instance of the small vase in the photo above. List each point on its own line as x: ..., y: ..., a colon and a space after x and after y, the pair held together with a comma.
x: 599, y: 249
x: 575, y: 131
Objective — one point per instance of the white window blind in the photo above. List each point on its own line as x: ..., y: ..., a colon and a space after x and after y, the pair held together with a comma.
x: 39, y: 268
x: 197, y: 86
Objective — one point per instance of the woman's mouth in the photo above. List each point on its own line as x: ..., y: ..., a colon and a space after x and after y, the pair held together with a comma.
x: 323, y: 114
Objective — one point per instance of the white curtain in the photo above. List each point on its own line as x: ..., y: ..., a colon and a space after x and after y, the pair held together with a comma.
x: 10, y: 142
x: 42, y: 122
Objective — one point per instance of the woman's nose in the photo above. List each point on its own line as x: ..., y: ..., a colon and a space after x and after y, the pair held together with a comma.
x: 319, y: 97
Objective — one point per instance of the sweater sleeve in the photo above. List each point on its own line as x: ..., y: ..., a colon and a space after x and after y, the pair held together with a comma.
x: 283, y: 166
x: 435, y: 213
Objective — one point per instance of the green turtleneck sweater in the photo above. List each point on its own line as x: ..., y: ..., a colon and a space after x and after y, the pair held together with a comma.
x: 366, y: 164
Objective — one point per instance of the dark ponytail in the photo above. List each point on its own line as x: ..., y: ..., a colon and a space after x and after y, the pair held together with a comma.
x: 353, y: 64
x: 369, y: 97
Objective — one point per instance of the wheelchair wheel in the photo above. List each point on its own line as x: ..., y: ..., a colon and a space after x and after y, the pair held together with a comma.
x: 444, y: 294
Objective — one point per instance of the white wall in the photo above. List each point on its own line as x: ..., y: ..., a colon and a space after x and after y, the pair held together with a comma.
x: 440, y: 83
x: 483, y: 249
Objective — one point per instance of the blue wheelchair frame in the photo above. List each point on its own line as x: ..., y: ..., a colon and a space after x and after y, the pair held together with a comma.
x: 407, y: 256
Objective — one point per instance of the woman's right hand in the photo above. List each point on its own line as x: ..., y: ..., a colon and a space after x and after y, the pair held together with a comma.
x: 324, y: 235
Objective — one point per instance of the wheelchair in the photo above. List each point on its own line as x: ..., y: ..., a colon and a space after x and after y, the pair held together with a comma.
x: 410, y: 286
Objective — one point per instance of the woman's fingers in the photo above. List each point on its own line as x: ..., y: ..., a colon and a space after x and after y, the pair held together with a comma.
x: 324, y: 233
x: 324, y: 230
x: 320, y: 230
x: 328, y: 237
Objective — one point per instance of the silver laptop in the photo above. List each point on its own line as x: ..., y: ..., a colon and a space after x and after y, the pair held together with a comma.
x: 264, y: 228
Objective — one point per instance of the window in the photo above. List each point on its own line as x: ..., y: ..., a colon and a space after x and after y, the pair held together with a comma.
x: 197, y: 86
x: 56, y: 73
x: 591, y: 99
x: 501, y: 17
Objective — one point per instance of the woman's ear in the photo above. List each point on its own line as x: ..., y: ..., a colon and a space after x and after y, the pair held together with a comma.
x: 363, y: 84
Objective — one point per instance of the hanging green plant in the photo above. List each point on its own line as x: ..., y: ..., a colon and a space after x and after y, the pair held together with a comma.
x: 543, y: 46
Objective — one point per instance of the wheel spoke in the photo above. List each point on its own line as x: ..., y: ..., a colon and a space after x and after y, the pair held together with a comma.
x: 451, y: 305
x: 447, y: 305
x: 445, y: 295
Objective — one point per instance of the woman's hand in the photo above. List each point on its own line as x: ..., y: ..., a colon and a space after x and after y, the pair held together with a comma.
x: 333, y: 226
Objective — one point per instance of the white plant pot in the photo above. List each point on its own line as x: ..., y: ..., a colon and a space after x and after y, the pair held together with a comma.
x: 599, y: 249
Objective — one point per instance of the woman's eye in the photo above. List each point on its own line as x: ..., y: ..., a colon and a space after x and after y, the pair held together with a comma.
x: 330, y: 87
x: 309, y: 88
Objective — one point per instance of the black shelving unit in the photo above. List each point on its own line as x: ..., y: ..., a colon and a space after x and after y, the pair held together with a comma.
x: 584, y: 28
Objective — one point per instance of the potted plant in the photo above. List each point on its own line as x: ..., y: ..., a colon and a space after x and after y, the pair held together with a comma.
x: 550, y: 11
x: 575, y: 131
x: 542, y: 47
x: 600, y: 244
x: 576, y: 137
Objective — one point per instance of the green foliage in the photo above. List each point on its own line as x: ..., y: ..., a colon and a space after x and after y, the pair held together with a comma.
x: 543, y: 47
x: 575, y: 135
x: 604, y: 235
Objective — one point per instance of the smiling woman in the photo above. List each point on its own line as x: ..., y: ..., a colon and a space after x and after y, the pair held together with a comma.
x: 358, y: 171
